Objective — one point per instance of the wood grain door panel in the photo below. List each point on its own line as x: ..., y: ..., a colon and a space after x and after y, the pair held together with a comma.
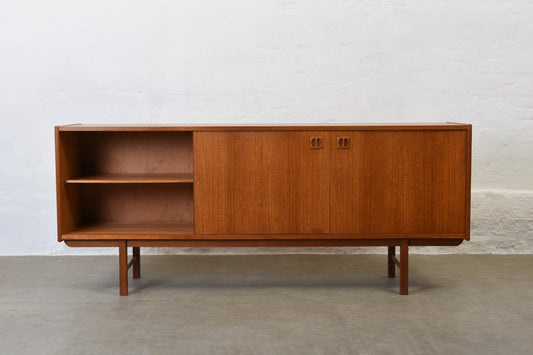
x: 266, y: 182
x: 399, y: 182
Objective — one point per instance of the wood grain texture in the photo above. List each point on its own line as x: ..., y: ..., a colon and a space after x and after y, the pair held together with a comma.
x: 392, y: 181
x: 260, y: 243
x: 93, y: 243
x: 404, y: 267
x: 288, y: 243
x: 116, y: 231
x: 391, y: 269
x: 260, y: 183
x: 259, y: 127
x: 206, y: 243
x: 137, y: 262
x: 123, y: 267
x: 137, y: 203
x: 132, y: 179
x: 136, y: 153
x: 409, y: 182
x: 109, y: 231
x: 468, y: 180
x: 67, y: 165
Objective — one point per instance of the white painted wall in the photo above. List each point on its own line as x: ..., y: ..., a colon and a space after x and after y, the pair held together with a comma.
x: 256, y: 61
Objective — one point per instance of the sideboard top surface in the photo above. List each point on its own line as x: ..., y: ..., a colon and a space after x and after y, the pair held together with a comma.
x: 358, y: 126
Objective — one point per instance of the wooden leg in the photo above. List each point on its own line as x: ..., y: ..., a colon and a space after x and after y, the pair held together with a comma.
x: 137, y: 263
x: 123, y: 267
x: 391, y: 268
x: 404, y: 267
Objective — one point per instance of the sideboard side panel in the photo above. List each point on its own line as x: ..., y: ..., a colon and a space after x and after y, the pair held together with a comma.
x: 67, y: 166
x: 468, y: 180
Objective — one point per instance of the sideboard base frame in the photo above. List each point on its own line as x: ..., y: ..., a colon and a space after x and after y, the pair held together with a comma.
x: 392, y: 261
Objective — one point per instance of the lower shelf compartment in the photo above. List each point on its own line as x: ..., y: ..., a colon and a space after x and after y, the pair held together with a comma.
x: 131, y: 231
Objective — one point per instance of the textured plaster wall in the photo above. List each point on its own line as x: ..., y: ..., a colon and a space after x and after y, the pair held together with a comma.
x: 274, y: 61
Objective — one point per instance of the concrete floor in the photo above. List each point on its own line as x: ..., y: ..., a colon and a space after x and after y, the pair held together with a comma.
x: 282, y: 304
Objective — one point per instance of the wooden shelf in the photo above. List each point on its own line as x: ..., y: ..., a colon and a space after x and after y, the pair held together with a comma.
x: 132, y: 179
x: 130, y: 231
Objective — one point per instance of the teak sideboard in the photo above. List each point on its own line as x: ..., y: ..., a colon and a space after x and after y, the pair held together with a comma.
x: 230, y: 186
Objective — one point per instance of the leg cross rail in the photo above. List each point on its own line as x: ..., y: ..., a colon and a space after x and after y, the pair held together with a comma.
x: 124, y: 265
x: 403, y: 265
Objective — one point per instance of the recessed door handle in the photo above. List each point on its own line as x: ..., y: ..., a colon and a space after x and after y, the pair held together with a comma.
x: 343, y: 142
x: 315, y: 142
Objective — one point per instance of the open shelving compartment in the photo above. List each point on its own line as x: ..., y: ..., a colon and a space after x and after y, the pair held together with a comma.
x: 126, y: 184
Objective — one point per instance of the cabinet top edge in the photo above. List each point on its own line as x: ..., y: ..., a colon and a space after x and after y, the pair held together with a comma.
x: 261, y: 127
